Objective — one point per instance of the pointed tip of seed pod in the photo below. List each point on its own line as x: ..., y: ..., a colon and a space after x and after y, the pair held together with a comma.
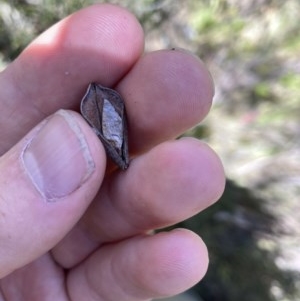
x: 124, y: 166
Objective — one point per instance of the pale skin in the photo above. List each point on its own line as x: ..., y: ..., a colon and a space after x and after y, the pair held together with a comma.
x: 95, y: 241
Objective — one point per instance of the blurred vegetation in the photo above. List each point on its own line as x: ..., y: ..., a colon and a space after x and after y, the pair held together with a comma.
x: 237, y: 231
x: 252, y: 49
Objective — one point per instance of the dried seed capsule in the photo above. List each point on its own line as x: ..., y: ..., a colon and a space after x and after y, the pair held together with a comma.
x: 104, y: 110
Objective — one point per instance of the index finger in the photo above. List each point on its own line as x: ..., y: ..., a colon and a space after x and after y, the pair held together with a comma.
x: 99, y: 43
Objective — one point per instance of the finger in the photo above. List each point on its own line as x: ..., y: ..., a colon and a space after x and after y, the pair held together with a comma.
x: 141, y: 268
x: 170, y: 183
x: 166, y: 93
x: 40, y: 280
x: 47, y: 181
x: 99, y: 43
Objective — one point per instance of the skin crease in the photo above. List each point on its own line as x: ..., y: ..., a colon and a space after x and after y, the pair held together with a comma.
x: 96, y: 242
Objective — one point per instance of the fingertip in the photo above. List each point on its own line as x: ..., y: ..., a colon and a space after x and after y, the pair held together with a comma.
x: 190, y: 256
x: 204, y: 75
x: 98, y: 43
x: 179, y: 260
x: 113, y: 28
x: 209, y: 164
x: 142, y: 267
x: 179, y: 178
x: 166, y: 93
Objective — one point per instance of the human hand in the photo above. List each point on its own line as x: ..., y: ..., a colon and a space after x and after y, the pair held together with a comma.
x: 70, y: 229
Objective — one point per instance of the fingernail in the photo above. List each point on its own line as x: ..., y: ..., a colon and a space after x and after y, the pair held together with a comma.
x: 58, y: 159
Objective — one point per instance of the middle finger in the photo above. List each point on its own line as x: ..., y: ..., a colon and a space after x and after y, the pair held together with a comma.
x: 166, y: 93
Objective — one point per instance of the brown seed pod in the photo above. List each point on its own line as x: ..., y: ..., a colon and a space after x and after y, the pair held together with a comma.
x: 104, y: 110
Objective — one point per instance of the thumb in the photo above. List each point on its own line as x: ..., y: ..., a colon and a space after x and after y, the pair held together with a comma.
x: 46, y: 183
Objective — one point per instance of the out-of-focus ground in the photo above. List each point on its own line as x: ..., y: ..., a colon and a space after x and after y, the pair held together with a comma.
x: 252, y: 49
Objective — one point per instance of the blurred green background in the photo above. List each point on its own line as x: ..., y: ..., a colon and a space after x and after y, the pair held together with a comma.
x: 252, y: 49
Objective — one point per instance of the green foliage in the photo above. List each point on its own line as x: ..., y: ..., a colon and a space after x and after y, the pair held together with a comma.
x: 262, y: 90
x: 21, y: 21
x: 291, y: 81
